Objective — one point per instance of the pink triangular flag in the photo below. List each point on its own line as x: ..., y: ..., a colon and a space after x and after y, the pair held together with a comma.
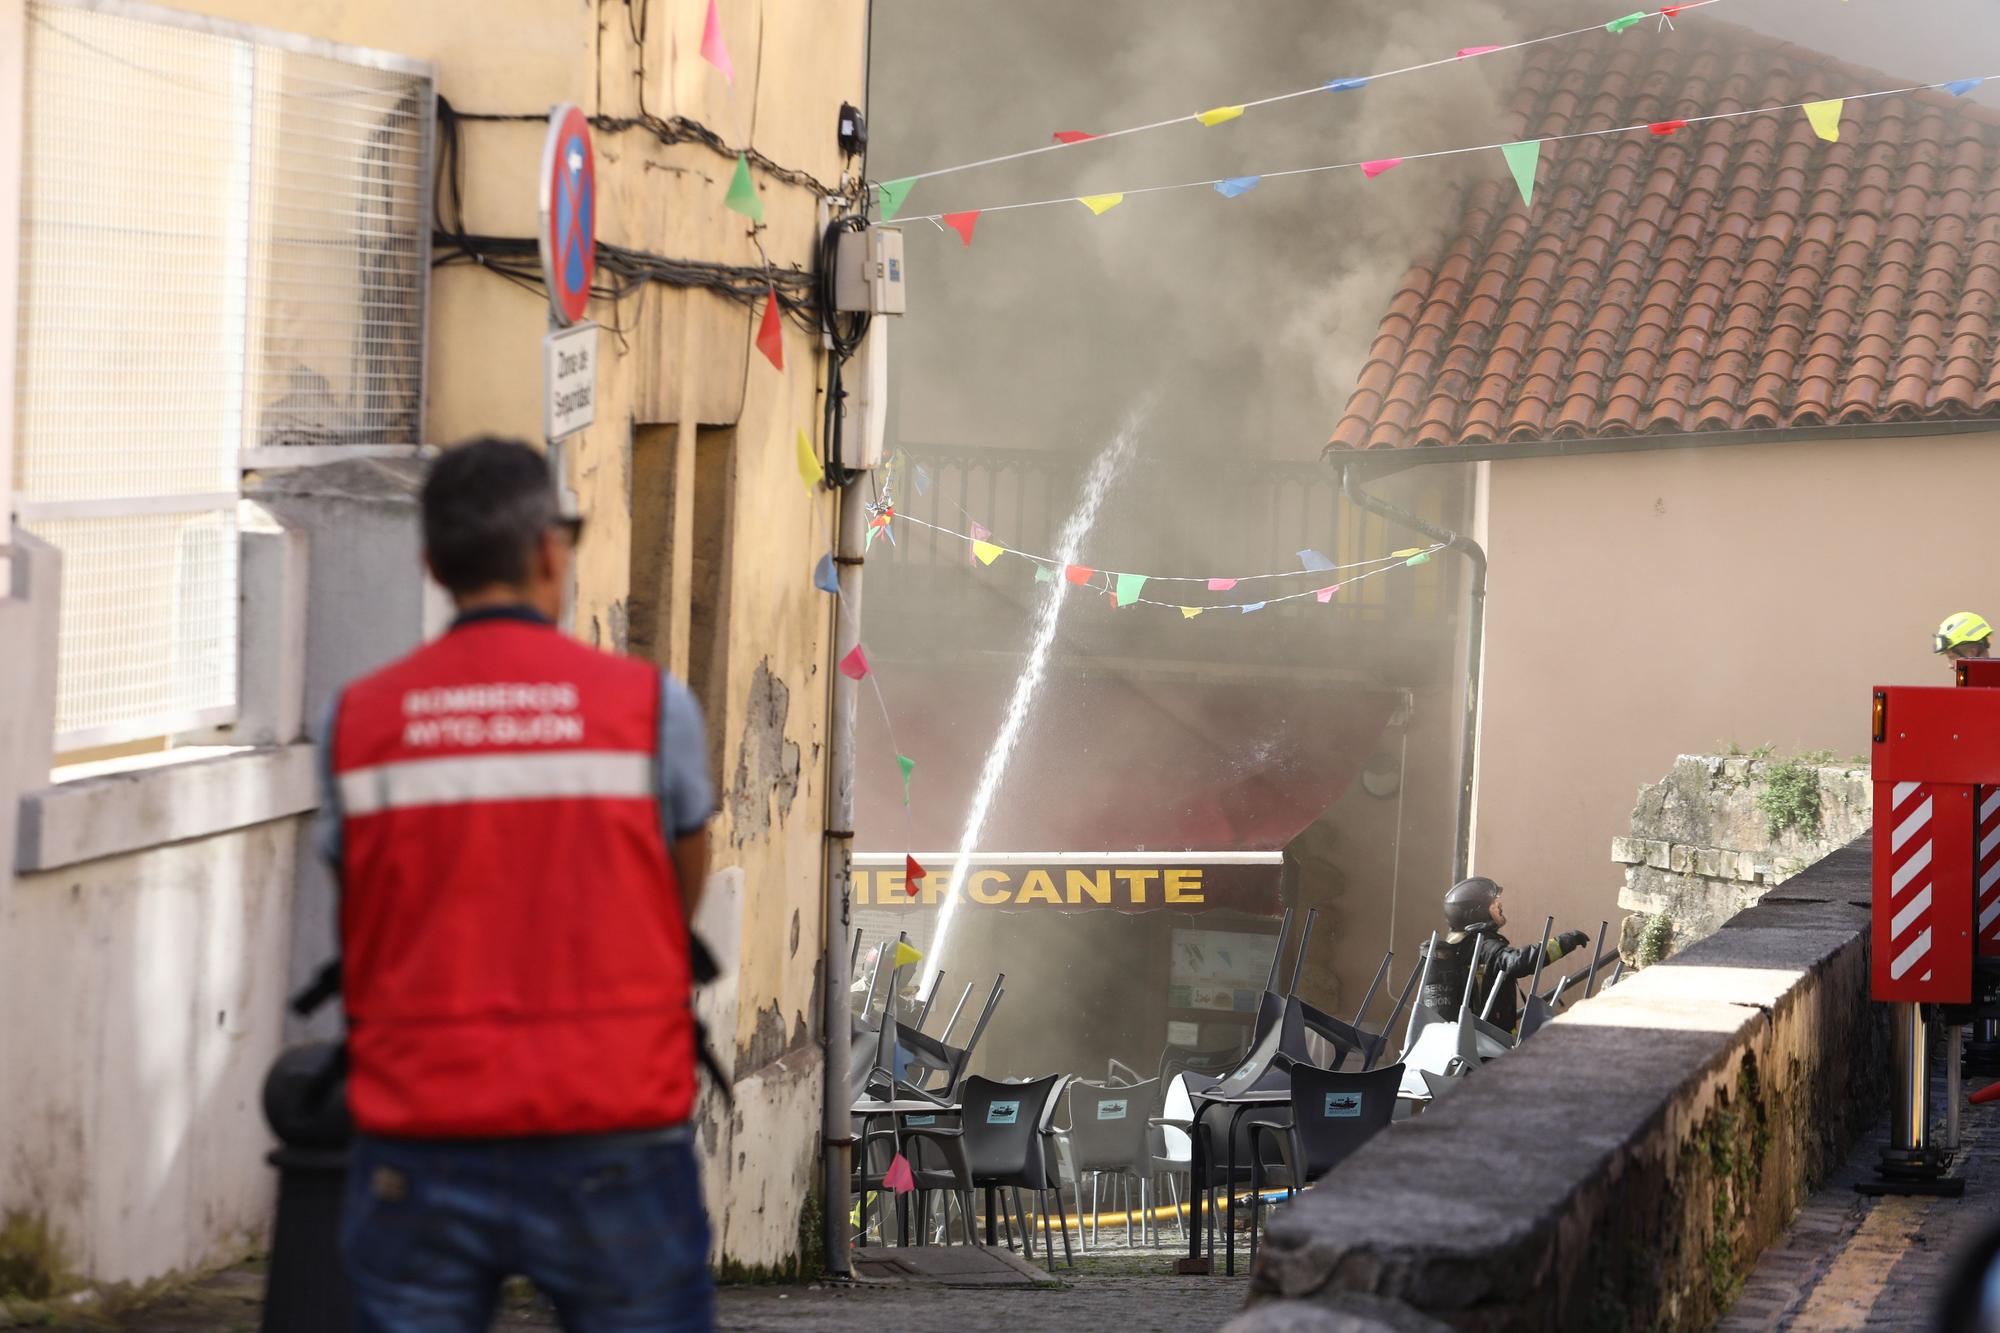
x: 1466, y: 52
x: 1221, y: 585
x: 898, y: 1178
x: 713, y: 49
x: 963, y: 223
x: 1326, y: 594
x: 1381, y: 164
x: 855, y: 665
x: 771, y: 333
x: 913, y: 872
x: 1072, y: 136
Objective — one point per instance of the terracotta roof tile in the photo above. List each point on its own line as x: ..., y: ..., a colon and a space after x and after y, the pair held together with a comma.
x: 1738, y: 275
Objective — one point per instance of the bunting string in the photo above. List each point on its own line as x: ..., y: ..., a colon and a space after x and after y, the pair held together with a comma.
x: 1822, y: 113
x: 893, y: 191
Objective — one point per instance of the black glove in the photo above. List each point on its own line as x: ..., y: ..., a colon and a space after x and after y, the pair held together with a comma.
x: 1572, y: 940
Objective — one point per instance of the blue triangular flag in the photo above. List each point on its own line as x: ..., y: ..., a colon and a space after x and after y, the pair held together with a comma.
x: 923, y: 480
x: 1236, y: 185
x: 1311, y: 559
x: 1960, y: 87
x: 823, y: 576
x: 1346, y: 85
x: 1248, y: 607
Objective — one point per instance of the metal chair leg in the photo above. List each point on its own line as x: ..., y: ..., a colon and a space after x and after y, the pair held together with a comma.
x: 1062, y: 1217
x: 1096, y: 1184
x: 1180, y: 1218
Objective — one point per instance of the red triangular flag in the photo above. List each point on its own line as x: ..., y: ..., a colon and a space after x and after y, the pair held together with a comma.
x: 913, y: 873
x: 1079, y: 573
x: 1662, y: 128
x: 898, y: 1177
x: 770, y: 335
x: 1072, y: 136
x: 855, y: 665
x: 962, y: 223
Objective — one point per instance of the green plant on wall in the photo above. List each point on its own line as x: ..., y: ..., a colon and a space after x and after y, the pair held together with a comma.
x: 1791, y: 797
x: 1657, y: 940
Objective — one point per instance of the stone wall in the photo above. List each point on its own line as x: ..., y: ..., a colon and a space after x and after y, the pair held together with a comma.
x: 1703, y: 848
x: 1624, y: 1168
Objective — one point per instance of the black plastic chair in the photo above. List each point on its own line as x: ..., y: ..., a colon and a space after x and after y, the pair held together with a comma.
x: 1333, y: 1113
x: 1009, y: 1136
x: 1110, y: 1133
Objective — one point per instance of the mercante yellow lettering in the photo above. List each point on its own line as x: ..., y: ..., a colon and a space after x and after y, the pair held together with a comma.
x: 1136, y: 881
x: 1038, y: 888
x: 977, y: 889
x: 1097, y: 886
x: 1183, y: 885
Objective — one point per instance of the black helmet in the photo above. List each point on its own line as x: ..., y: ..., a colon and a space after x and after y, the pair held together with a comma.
x: 1469, y: 904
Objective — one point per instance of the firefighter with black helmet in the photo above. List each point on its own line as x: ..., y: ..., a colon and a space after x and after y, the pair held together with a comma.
x: 1473, y: 917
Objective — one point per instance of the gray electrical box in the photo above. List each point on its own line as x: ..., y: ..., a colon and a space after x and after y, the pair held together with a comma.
x: 868, y: 272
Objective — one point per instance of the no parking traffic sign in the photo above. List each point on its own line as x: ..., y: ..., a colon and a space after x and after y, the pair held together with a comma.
x: 568, y: 234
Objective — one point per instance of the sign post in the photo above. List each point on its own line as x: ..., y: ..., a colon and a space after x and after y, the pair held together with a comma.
x: 568, y: 242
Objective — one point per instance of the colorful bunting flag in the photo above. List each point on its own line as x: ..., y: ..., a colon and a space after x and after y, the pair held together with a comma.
x: 1381, y: 164
x: 1660, y: 129
x: 1044, y: 574
x: 1311, y: 559
x: 1221, y: 585
x: 854, y: 666
x: 1190, y: 612
x: 1248, y: 607
x: 1072, y: 136
x: 913, y: 875
x: 771, y: 333
x: 1522, y: 159
x: 1825, y: 118
x: 907, y: 953
x: 713, y: 49
x: 987, y: 552
x: 824, y: 577
x: 963, y: 223
x: 1216, y: 115
x: 893, y: 193
x: 1420, y: 558
x: 1467, y: 52
x: 810, y: 472
x: 1236, y: 185
x: 1620, y: 25
x: 1345, y: 85
x: 909, y: 766
x: 1325, y: 594
x: 1406, y: 552
x: 898, y: 1177
x: 979, y: 536
x: 1100, y: 204
x: 1128, y: 588
x: 743, y: 197
x: 1960, y: 87
x: 1079, y: 573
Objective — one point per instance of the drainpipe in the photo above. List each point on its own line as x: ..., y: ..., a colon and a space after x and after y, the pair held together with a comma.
x: 1475, y: 636
x: 837, y: 1124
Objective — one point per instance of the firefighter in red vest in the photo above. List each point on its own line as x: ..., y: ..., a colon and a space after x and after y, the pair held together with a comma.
x: 519, y: 827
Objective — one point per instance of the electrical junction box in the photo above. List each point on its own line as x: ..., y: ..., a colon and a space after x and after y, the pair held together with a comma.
x: 868, y: 272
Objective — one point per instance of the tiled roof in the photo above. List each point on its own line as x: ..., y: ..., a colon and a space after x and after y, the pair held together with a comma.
x: 1736, y: 275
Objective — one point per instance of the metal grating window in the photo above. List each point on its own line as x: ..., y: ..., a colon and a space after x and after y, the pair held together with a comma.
x: 224, y: 247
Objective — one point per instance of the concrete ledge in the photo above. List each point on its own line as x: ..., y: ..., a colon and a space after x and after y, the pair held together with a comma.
x: 116, y: 813
x: 1625, y: 1167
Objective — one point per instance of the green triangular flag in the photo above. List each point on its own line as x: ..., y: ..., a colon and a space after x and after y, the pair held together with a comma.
x: 1620, y: 25
x: 909, y: 766
x: 1045, y: 574
x: 1128, y: 588
x: 1522, y: 159
x: 743, y: 197
x: 893, y: 195
x: 1420, y: 558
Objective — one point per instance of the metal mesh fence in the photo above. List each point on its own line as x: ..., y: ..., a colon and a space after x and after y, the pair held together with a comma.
x: 223, y: 247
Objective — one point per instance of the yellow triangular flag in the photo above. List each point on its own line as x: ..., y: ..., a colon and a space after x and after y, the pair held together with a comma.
x: 1215, y: 115
x: 1825, y: 118
x: 1101, y: 204
x: 1406, y: 552
x: 1190, y: 612
x: 988, y: 552
x: 906, y: 955
x: 810, y: 471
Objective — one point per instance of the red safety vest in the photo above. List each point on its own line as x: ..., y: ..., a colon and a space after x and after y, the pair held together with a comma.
x: 516, y: 959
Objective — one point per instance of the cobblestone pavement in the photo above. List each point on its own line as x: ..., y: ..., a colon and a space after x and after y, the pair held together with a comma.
x: 1853, y: 1262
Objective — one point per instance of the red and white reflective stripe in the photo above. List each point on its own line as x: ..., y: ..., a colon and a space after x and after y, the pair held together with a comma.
x: 1988, y: 897
x: 485, y: 778
x: 1911, y: 848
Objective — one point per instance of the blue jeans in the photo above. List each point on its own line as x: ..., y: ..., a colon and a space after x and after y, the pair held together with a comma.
x: 611, y: 1230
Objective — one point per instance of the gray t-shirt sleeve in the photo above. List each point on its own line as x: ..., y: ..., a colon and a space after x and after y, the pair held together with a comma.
x: 327, y: 823
x: 687, y: 801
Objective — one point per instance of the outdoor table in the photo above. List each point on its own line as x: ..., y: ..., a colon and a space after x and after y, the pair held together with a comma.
x: 870, y: 1107
x: 1198, y: 1173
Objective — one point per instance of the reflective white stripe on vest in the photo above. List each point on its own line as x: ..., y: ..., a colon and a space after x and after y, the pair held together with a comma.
x: 472, y: 779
